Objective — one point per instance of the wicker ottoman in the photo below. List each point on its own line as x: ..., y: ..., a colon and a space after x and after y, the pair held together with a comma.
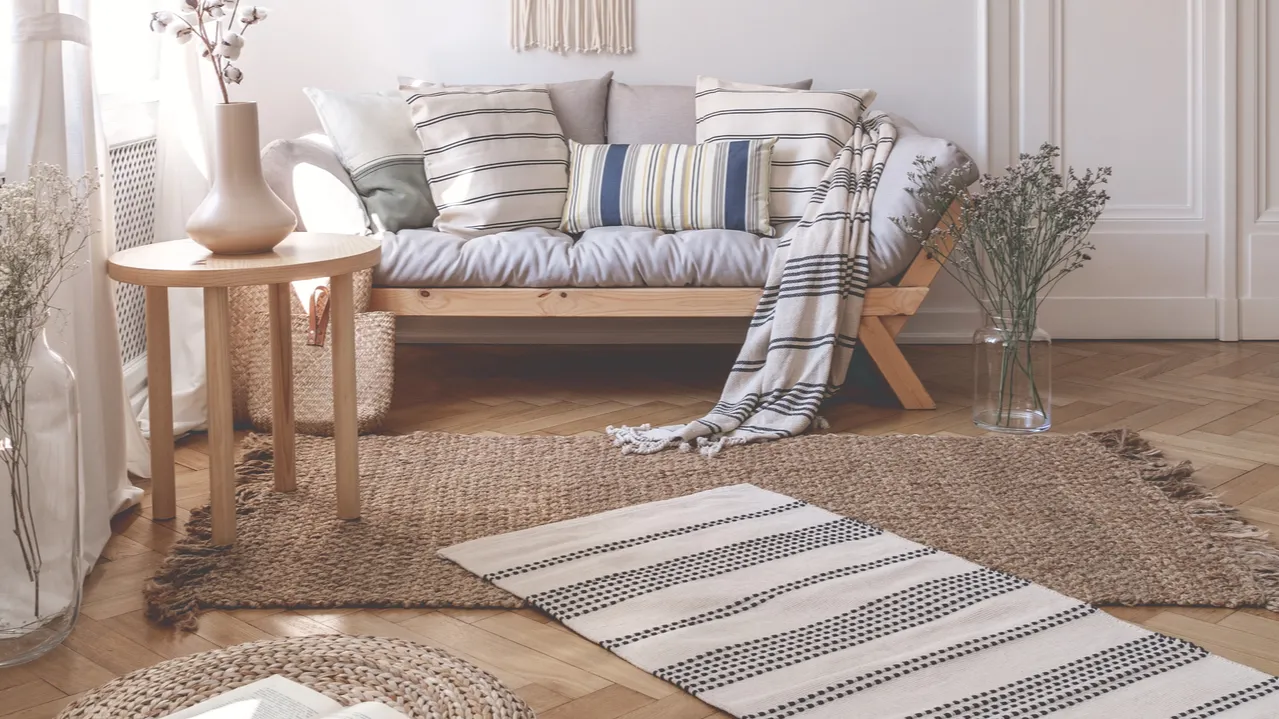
x: 419, y: 681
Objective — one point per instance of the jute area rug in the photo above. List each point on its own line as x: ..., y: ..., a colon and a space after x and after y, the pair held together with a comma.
x: 1099, y: 517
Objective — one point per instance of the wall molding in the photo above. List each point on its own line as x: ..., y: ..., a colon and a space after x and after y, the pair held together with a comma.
x: 1259, y: 317
x: 1261, y: 95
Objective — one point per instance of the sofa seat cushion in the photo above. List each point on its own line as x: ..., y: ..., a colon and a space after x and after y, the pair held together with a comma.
x: 601, y: 257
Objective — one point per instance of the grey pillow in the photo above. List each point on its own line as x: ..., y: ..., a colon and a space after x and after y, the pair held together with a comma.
x: 373, y: 137
x: 658, y: 114
x: 891, y: 248
x: 579, y: 105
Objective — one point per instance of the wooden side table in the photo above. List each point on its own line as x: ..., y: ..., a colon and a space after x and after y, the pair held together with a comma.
x: 302, y: 256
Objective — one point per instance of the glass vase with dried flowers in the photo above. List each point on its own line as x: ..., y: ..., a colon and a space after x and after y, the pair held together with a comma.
x: 241, y: 214
x: 1008, y: 245
x: 43, y: 231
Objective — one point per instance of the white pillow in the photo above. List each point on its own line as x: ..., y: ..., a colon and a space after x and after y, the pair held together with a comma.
x: 496, y: 157
x: 810, y: 126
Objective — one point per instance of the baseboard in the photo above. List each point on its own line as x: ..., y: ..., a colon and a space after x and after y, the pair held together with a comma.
x: 1259, y: 318
x: 1085, y: 318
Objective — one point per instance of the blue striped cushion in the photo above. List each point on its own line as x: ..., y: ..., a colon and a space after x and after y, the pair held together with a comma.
x: 715, y: 186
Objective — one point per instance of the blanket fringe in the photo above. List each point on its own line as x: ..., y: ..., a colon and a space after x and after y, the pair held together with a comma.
x: 1221, y: 521
x: 171, y: 597
x: 636, y: 440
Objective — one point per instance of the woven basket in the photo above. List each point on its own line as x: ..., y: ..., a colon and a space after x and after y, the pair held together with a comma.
x: 313, y: 376
x: 418, y: 681
x: 249, y: 322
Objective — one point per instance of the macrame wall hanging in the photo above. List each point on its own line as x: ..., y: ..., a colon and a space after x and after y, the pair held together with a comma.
x: 604, y: 26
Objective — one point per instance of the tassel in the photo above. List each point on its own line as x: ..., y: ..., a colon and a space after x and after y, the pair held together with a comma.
x: 603, y: 26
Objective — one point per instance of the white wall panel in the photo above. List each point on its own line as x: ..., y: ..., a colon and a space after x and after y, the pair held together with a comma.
x: 1258, y: 169
x: 1128, y: 84
x: 1142, y: 264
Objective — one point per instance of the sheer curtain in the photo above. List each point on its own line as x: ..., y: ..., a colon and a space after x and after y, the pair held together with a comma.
x: 53, y: 119
x: 182, y: 180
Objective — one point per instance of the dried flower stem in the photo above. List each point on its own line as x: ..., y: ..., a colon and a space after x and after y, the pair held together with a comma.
x: 43, y: 230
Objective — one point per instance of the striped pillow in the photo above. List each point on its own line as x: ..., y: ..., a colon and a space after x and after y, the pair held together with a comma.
x: 496, y: 157
x: 722, y: 185
x: 810, y: 127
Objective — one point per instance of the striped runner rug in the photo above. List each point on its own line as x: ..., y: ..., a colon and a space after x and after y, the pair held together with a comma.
x: 768, y: 607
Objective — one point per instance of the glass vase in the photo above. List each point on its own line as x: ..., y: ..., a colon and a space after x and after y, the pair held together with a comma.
x: 40, y: 561
x: 1012, y: 376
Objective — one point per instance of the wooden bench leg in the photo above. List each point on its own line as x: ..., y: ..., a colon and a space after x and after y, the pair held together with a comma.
x: 888, y: 357
x: 895, y: 324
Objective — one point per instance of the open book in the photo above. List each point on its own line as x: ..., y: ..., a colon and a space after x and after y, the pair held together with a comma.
x: 279, y: 698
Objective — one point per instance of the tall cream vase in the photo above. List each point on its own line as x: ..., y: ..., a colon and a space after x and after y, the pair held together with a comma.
x: 241, y: 214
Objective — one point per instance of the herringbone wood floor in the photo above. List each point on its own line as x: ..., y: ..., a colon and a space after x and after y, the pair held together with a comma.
x: 1216, y: 404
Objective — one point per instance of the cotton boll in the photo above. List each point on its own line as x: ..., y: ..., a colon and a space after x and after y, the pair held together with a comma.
x: 253, y: 14
x: 232, y: 74
x: 189, y: 5
x: 182, y: 34
x: 230, y: 46
x: 215, y: 8
x: 160, y: 20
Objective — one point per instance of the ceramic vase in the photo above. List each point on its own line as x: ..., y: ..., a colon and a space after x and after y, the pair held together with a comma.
x: 241, y: 214
x: 40, y: 561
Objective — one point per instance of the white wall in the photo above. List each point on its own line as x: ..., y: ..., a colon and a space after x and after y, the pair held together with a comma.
x: 1174, y: 94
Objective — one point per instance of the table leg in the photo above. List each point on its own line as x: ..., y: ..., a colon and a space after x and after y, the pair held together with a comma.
x: 345, y: 421
x: 217, y: 344
x: 282, y: 386
x: 160, y: 397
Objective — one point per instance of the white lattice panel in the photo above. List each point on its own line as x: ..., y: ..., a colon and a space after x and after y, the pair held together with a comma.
x: 133, y: 179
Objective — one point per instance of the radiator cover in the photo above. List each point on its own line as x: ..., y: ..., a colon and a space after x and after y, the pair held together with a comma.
x: 133, y: 168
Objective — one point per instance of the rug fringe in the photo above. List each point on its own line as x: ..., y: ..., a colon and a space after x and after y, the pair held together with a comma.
x: 171, y: 596
x: 1220, y: 520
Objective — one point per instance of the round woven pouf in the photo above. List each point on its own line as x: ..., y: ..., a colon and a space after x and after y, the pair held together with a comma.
x: 418, y: 681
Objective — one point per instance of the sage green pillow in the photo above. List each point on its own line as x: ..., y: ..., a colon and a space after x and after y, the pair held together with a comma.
x: 373, y: 136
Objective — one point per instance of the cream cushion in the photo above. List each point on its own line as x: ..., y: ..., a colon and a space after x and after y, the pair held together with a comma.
x: 810, y: 126
x: 496, y: 157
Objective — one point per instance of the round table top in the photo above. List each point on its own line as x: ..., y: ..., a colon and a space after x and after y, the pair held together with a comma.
x: 301, y: 256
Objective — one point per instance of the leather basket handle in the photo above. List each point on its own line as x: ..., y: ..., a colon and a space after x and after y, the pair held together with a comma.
x: 318, y: 316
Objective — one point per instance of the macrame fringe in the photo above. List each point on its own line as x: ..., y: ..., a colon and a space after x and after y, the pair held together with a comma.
x: 1219, y: 520
x: 603, y: 26
x: 171, y: 598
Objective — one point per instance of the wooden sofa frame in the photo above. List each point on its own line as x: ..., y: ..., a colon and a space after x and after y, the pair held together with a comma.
x: 884, y: 314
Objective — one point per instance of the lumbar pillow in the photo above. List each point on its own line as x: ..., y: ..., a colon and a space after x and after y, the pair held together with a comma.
x: 719, y: 186
x: 496, y: 157
x: 579, y: 105
x: 372, y: 135
x: 655, y: 114
x: 810, y: 127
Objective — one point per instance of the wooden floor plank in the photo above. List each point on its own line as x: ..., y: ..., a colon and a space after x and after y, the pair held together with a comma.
x: 1215, y: 404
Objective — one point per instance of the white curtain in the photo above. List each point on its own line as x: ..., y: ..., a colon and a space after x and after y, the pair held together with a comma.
x: 53, y: 119
x: 182, y: 180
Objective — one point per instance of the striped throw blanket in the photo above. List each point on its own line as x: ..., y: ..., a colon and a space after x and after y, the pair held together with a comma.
x: 767, y: 607
x: 804, y: 330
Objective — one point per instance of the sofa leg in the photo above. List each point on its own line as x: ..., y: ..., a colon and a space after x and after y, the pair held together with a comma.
x: 888, y: 357
x: 895, y: 323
